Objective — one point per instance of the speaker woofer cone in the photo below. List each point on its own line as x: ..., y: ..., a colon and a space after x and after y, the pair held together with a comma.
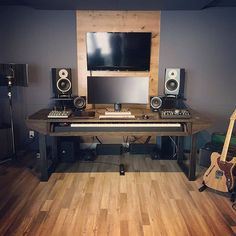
x: 63, y: 85
x: 80, y: 102
x: 172, y: 85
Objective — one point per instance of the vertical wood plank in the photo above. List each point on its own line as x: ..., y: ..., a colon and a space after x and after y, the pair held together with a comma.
x: 117, y: 21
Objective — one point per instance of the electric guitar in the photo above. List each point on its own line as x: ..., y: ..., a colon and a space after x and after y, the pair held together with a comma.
x: 219, y: 175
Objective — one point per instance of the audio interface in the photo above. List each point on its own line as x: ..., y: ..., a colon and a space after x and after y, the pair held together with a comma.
x: 175, y: 114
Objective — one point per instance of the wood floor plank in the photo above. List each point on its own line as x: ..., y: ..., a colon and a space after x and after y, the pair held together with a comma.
x: 152, y: 198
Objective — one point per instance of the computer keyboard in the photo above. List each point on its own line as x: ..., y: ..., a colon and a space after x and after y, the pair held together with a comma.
x: 59, y: 114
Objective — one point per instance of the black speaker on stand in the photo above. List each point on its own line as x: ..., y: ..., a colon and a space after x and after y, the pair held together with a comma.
x: 62, y: 82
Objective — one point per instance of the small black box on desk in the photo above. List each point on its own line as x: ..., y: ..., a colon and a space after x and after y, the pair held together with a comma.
x: 109, y: 149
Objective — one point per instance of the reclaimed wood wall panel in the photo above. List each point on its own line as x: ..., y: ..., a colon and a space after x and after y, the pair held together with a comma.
x: 117, y: 21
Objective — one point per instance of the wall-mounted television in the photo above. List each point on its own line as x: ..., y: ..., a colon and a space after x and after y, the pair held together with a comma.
x: 118, y: 51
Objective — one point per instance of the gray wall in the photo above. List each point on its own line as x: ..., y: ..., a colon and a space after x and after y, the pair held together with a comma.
x: 202, y: 42
x: 43, y: 39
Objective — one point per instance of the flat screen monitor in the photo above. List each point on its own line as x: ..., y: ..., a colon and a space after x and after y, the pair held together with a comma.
x: 17, y: 72
x: 117, y: 90
x: 118, y: 51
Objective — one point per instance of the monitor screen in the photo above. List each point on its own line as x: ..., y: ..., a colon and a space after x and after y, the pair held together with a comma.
x: 118, y: 51
x: 17, y: 72
x: 118, y: 90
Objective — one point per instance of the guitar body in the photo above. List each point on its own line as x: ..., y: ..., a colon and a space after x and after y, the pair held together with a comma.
x: 219, y: 175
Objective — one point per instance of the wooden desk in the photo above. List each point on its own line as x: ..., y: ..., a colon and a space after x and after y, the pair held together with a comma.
x: 62, y: 127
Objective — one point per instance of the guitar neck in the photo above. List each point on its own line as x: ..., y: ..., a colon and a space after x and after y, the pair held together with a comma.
x: 228, y: 137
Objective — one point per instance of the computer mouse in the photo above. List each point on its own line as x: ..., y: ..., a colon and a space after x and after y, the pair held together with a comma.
x: 145, y: 117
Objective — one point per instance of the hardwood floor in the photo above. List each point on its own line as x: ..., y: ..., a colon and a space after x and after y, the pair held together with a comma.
x: 152, y: 198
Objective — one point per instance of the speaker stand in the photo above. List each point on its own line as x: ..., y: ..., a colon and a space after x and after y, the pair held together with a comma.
x: 122, y: 169
x: 11, y: 116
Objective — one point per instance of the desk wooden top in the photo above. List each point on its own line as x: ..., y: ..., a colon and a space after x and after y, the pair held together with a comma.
x: 40, y: 123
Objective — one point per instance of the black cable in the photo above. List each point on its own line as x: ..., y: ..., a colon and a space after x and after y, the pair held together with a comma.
x: 148, y: 139
x: 125, y: 140
x: 98, y: 139
x: 176, y: 147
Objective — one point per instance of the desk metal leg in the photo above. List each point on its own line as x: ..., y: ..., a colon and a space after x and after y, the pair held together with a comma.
x: 180, y: 151
x: 54, y: 156
x: 54, y: 150
x: 43, y: 158
x: 189, y: 169
x: 192, y: 158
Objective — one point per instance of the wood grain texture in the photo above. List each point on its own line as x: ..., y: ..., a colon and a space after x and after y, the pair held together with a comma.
x: 117, y: 21
x: 153, y: 198
x: 220, y: 174
x: 40, y: 123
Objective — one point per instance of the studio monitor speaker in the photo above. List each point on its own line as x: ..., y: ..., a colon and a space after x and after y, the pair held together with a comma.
x: 68, y: 148
x: 80, y: 102
x: 174, y: 82
x: 62, y: 82
x: 155, y: 103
